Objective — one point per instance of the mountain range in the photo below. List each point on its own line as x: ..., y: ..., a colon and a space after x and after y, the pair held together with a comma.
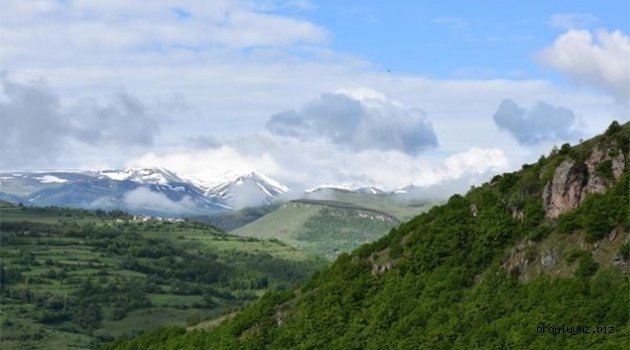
x: 157, y: 191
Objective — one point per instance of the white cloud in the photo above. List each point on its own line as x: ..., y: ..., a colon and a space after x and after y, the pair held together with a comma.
x: 601, y: 59
x: 146, y: 199
x: 79, y: 29
x: 451, y: 22
x: 572, y: 20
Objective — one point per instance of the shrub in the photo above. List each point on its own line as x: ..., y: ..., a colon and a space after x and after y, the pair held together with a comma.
x: 613, y: 128
x: 587, y: 267
x: 575, y: 254
x: 604, y: 170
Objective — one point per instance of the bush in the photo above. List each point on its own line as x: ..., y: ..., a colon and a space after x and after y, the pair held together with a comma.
x: 119, y: 313
x: 569, y: 222
x: 565, y: 149
x: 575, y: 254
x: 604, y: 170
x: 613, y: 128
x: 587, y: 267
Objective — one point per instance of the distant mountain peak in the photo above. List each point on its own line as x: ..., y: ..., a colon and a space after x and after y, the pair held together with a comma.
x: 264, y: 179
x: 348, y: 188
x: 251, y: 189
x: 156, y: 175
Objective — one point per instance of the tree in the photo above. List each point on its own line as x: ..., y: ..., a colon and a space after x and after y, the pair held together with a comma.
x: 87, y: 316
x: 613, y: 128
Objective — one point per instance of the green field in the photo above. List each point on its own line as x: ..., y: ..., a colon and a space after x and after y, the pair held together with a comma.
x: 73, y: 278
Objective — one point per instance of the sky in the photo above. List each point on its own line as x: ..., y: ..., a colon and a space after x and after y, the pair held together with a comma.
x: 364, y: 93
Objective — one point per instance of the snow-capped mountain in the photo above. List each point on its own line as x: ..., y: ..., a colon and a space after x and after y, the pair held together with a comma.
x: 163, y: 192
x: 147, y: 190
x: 370, y: 190
x: 249, y: 190
x: 144, y: 176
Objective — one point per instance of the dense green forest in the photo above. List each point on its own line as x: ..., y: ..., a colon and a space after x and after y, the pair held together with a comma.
x: 490, y: 270
x: 74, y: 278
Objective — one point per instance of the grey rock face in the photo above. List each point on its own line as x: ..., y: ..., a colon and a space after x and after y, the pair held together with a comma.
x: 572, y: 182
x: 564, y: 192
x: 549, y: 259
x: 618, y: 165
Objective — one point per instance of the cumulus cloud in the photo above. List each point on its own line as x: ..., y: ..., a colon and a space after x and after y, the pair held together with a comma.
x: 542, y: 122
x: 146, y: 199
x: 600, y: 60
x: 369, y: 123
x: 37, y: 127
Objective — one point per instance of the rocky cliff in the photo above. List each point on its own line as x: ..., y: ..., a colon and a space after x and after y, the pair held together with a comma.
x: 574, y: 179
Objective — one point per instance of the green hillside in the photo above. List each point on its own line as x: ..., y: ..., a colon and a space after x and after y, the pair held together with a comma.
x: 72, y: 278
x: 399, y: 206
x: 324, y: 228
x: 396, y: 205
x: 547, y: 246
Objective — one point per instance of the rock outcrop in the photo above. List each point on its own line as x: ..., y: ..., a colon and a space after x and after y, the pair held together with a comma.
x: 549, y: 259
x: 596, y: 183
x: 572, y: 181
x: 564, y: 192
x: 519, y: 258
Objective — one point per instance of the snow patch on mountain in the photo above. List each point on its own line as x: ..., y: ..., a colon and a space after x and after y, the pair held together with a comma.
x: 370, y: 190
x: 51, y: 179
x: 348, y: 187
x: 159, y: 176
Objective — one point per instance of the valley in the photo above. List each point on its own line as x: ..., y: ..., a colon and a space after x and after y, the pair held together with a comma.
x: 73, y: 278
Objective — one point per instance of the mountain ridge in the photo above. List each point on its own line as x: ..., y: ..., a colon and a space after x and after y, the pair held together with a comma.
x: 108, y: 189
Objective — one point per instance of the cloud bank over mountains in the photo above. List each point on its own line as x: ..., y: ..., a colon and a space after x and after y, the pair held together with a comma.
x: 206, y: 88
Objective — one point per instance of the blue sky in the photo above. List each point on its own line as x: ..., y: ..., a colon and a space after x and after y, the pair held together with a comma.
x: 370, y: 92
x: 452, y: 39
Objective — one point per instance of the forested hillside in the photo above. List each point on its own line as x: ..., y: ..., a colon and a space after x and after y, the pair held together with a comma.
x: 546, y: 246
x: 74, y: 278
